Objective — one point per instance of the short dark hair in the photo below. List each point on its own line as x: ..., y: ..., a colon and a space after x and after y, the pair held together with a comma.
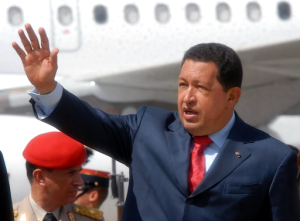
x: 230, y: 71
x: 30, y: 168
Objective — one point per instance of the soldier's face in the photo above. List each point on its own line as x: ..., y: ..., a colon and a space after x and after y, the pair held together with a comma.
x: 62, y: 185
x: 83, y: 199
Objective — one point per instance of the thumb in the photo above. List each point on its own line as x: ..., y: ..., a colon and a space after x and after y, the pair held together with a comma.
x: 53, y: 56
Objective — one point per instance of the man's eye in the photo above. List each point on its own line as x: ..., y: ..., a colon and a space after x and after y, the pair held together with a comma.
x: 201, y: 87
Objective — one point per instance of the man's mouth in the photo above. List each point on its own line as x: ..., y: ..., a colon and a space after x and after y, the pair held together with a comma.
x: 189, y: 113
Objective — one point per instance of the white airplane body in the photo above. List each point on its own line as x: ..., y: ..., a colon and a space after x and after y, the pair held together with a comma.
x: 129, y: 53
x: 104, y: 53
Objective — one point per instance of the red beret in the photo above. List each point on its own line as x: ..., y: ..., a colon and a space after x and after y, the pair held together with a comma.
x: 54, y: 150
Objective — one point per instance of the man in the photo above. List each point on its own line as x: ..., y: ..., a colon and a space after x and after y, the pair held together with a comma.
x: 248, y: 174
x: 95, y: 188
x: 53, y: 163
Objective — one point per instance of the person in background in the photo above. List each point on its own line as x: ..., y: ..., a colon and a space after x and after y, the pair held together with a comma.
x: 53, y: 164
x: 95, y: 188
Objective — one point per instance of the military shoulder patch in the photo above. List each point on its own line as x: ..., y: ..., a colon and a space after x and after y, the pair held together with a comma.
x: 71, y: 216
x: 89, y: 212
x: 15, y: 213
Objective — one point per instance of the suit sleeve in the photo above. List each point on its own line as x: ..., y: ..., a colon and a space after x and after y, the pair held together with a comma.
x: 284, y: 192
x: 112, y: 135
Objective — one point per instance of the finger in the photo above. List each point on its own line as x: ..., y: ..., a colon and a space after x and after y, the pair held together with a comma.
x: 34, y: 40
x: 19, y: 51
x: 53, y: 56
x: 25, y: 41
x: 44, y: 39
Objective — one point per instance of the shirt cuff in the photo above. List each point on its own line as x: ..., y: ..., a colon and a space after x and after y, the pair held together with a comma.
x: 46, y: 103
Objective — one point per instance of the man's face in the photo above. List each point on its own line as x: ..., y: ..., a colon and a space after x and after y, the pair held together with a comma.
x: 202, y: 103
x: 62, y: 184
x: 83, y: 199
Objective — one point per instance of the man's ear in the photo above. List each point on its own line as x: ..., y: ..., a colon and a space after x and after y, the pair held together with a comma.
x: 39, y: 177
x: 233, y: 95
x: 93, y: 196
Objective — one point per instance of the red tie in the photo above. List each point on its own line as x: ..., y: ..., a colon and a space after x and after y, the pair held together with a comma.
x: 197, y: 165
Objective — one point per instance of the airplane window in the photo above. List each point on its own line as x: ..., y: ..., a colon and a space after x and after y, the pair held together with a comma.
x: 192, y: 12
x: 15, y: 16
x: 131, y: 14
x: 284, y: 10
x: 100, y: 14
x: 162, y: 13
x: 223, y: 12
x: 65, y: 15
x: 253, y: 11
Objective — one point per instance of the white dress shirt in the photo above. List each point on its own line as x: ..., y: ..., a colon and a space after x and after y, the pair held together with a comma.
x: 39, y: 212
x: 45, y: 104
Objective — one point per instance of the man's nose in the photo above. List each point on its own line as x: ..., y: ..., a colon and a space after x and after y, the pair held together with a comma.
x: 78, y: 181
x: 190, y: 96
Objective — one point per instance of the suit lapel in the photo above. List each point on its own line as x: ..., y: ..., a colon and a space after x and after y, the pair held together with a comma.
x: 226, y: 160
x: 63, y: 214
x: 179, y: 142
x: 224, y: 164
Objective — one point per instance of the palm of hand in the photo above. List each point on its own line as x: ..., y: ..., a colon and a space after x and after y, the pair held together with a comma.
x: 39, y: 63
x: 38, y: 66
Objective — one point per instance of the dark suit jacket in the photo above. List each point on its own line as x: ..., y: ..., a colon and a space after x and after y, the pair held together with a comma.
x: 260, y: 185
x: 6, y: 209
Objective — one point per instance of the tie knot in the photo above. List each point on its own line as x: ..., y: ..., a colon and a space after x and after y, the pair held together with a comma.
x: 49, y: 217
x: 202, y: 142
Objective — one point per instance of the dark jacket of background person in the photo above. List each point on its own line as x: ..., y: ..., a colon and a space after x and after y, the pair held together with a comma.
x: 6, y: 208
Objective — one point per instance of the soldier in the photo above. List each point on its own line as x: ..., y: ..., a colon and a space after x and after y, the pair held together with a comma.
x: 95, y: 188
x: 53, y: 163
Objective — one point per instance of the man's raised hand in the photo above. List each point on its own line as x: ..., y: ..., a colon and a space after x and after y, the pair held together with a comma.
x: 39, y: 64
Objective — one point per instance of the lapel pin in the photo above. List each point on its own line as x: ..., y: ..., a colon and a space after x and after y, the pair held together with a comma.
x: 238, y: 155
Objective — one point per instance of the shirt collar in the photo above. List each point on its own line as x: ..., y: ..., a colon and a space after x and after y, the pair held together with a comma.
x: 40, y: 212
x: 220, y: 137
